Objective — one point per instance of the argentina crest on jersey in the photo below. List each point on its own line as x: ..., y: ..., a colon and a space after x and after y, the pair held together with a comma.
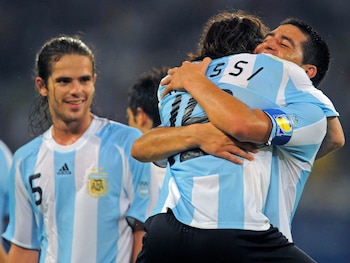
x: 97, y: 183
x: 143, y: 189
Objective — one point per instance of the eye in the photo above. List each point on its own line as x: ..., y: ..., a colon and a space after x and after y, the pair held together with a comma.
x: 285, y: 45
x: 63, y: 80
x: 85, y: 79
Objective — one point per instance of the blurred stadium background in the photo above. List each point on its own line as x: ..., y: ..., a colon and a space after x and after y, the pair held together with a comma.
x: 130, y: 37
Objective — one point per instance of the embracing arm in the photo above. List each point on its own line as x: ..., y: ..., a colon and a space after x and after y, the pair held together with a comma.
x: 334, y: 138
x: 222, y: 109
x: 161, y: 143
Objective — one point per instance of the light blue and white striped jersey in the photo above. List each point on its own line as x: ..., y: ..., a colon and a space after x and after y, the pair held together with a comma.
x: 156, y: 183
x: 5, y: 163
x: 73, y: 202
x: 208, y: 192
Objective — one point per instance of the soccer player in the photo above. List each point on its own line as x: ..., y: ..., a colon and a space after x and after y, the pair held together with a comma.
x: 216, y: 207
x: 143, y: 114
x: 297, y: 41
x: 290, y: 41
x: 76, y: 194
x: 5, y: 163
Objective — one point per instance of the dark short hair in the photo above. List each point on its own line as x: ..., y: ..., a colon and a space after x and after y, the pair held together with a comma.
x: 143, y: 93
x: 315, y: 49
x: 57, y: 47
x: 229, y: 33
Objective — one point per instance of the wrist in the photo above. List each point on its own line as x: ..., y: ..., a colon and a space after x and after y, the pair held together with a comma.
x: 195, y: 133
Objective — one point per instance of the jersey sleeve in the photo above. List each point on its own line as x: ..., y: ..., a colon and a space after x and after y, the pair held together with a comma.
x: 307, y: 92
x: 22, y: 229
x: 5, y: 164
x: 138, y: 188
x: 299, y: 128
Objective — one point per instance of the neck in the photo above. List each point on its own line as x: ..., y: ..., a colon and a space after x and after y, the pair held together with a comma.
x: 67, y: 133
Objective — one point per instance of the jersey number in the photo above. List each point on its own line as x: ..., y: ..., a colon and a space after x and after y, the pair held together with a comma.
x: 36, y: 189
x: 188, y: 120
x: 238, y: 69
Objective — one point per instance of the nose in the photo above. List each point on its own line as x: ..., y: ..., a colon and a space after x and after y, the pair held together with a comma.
x: 270, y: 43
x: 268, y: 46
x: 76, y: 86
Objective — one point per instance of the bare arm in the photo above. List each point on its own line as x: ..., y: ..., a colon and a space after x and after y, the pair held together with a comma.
x: 160, y: 143
x: 138, y: 235
x: 222, y: 109
x: 334, y: 138
x: 18, y: 254
x: 3, y: 256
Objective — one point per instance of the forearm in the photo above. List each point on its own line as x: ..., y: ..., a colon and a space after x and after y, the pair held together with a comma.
x: 334, y: 138
x: 160, y: 143
x: 228, y: 113
x: 137, y: 246
x: 3, y: 256
x: 18, y: 254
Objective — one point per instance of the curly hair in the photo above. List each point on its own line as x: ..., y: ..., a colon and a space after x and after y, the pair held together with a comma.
x: 229, y: 33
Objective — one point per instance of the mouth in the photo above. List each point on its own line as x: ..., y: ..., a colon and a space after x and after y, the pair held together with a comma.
x: 75, y: 102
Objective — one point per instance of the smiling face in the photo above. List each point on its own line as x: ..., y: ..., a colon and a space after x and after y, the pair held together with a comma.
x: 70, y: 89
x: 284, y: 42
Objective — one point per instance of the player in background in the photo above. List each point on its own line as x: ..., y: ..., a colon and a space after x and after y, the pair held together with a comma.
x: 143, y: 114
x: 82, y: 195
x: 5, y: 163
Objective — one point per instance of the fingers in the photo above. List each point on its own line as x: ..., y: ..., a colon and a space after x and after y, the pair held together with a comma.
x: 171, y: 71
x: 174, y: 79
x: 230, y: 157
x: 206, y: 62
x: 165, y: 81
x: 166, y: 91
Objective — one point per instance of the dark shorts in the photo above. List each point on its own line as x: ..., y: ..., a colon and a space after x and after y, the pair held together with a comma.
x: 168, y: 240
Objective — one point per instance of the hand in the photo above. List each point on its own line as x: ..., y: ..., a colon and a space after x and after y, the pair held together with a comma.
x: 187, y: 73
x: 215, y: 142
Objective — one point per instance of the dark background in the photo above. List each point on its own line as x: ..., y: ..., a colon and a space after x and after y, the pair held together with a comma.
x: 130, y: 37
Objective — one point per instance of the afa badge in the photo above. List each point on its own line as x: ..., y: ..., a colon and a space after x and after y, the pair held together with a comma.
x: 143, y: 189
x: 97, y: 183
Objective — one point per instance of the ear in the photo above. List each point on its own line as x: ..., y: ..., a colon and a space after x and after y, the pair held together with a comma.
x: 141, y: 117
x: 143, y: 120
x: 41, y: 87
x: 311, y: 70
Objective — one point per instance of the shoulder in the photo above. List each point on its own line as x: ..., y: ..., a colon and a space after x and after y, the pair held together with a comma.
x: 117, y: 132
x: 29, y: 149
x: 5, y: 152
